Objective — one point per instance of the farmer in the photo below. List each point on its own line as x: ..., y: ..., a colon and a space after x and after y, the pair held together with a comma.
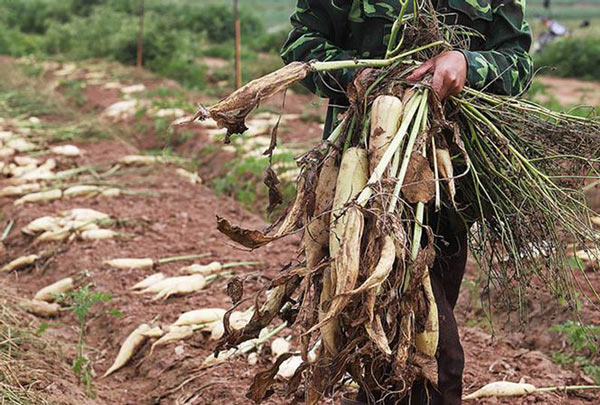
x: 497, y: 61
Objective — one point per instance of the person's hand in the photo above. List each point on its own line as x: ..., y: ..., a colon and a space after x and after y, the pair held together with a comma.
x: 449, y: 73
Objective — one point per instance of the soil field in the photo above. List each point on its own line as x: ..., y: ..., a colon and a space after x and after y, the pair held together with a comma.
x: 162, y: 214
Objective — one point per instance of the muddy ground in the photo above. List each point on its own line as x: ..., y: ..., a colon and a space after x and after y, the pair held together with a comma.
x: 169, y: 216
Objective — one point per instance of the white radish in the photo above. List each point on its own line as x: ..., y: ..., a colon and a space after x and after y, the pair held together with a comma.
x: 19, y: 263
x: 98, y: 234
x: 110, y: 192
x: 140, y: 160
x: 130, y: 263
x: 66, y: 150
x: 288, y: 368
x: 7, y: 152
x: 253, y: 359
x: 42, y: 196
x: 20, y: 145
x: 148, y: 281
x: 589, y: 256
x: 205, y: 269
x: 58, y: 235
x: 194, y: 283
x: 502, y: 389
x: 222, y: 357
x: 200, y: 316
x: 83, y: 190
x: 155, y: 332
x: 131, y: 344
x: 84, y: 214
x: 163, y: 284
x: 40, y: 308
x: 175, y: 334
x: 192, y: 177
x: 217, y: 331
x: 10, y: 191
x: 42, y: 224
x: 50, y: 292
x: 279, y: 346
x: 26, y: 161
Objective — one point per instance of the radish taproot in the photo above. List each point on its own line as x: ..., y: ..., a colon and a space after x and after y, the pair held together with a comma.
x: 40, y: 197
x: 148, y: 281
x: 200, y: 316
x: 131, y: 344
x: 40, y: 308
x: 50, y: 292
x: 19, y: 263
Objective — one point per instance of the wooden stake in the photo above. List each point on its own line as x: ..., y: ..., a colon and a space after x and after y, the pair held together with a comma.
x: 238, y: 45
x: 140, y: 42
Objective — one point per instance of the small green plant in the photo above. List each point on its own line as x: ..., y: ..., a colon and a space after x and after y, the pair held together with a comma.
x: 73, y: 90
x: 582, y: 349
x: 83, y: 303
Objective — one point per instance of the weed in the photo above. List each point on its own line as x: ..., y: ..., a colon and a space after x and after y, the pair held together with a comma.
x: 73, y: 90
x: 582, y: 347
x: 82, y: 303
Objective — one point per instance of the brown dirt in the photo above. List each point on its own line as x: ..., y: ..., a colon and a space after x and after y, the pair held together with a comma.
x: 178, y: 219
x: 571, y: 91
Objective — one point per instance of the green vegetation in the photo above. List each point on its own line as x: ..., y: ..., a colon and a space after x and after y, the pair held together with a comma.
x: 82, y: 303
x: 177, y: 34
x: 572, y: 57
x: 582, y: 349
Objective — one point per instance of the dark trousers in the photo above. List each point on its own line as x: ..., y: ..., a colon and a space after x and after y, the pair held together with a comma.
x: 446, y: 277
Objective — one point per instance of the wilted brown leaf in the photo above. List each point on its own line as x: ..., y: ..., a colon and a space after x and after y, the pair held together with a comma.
x: 251, y: 239
x: 420, y: 181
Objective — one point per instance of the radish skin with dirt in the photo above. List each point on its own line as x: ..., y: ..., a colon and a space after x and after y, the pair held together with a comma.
x: 50, y: 292
x: 200, y: 316
x: 131, y: 344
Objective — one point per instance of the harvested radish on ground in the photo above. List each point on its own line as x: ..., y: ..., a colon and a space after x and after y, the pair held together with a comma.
x: 42, y: 224
x: 144, y: 263
x: 140, y: 160
x: 99, y: 234
x: 155, y: 332
x: 66, y: 150
x: 288, y: 368
x: 186, y: 285
x: 175, y: 334
x: 110, y: 192
x: 40, y: 308
x: 214, y: 267
x: 26, y: 161
x: 84, y: 214
x: 502, y: 389
x: 58, y: 235
x: 10, y: 191
x: 84, y: 190
x: 19, y: 263
x: 222, y: 357
x: 148, y: 281
x: 596, y: 221
x: 253, y: 358
x: 192, y: 177
x: 129, y: 347
x: 50, y: 292
x: 200, y: 316
x: 217, y: 331
x: 280, y: 346
x: 41, y: 197
x: 130, y: 263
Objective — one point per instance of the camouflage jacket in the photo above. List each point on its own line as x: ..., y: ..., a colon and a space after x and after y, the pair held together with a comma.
x: 329, y: 30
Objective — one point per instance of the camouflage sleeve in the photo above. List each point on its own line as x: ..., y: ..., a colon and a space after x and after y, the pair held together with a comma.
x: 318, y: 30
x: 504, y: 66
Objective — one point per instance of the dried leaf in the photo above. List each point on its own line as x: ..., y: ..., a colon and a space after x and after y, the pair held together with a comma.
x: 235, y: 289
x: 420, y: 181
x: 272, y: 183
x: 263, y: 381
x: 251, y: 239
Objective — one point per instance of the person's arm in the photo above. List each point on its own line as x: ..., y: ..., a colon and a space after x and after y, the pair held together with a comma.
x: 318, y: 30
x: 504, y: 66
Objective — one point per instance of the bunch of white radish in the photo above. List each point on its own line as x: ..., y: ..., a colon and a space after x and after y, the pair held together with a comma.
x: 83, y: 221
